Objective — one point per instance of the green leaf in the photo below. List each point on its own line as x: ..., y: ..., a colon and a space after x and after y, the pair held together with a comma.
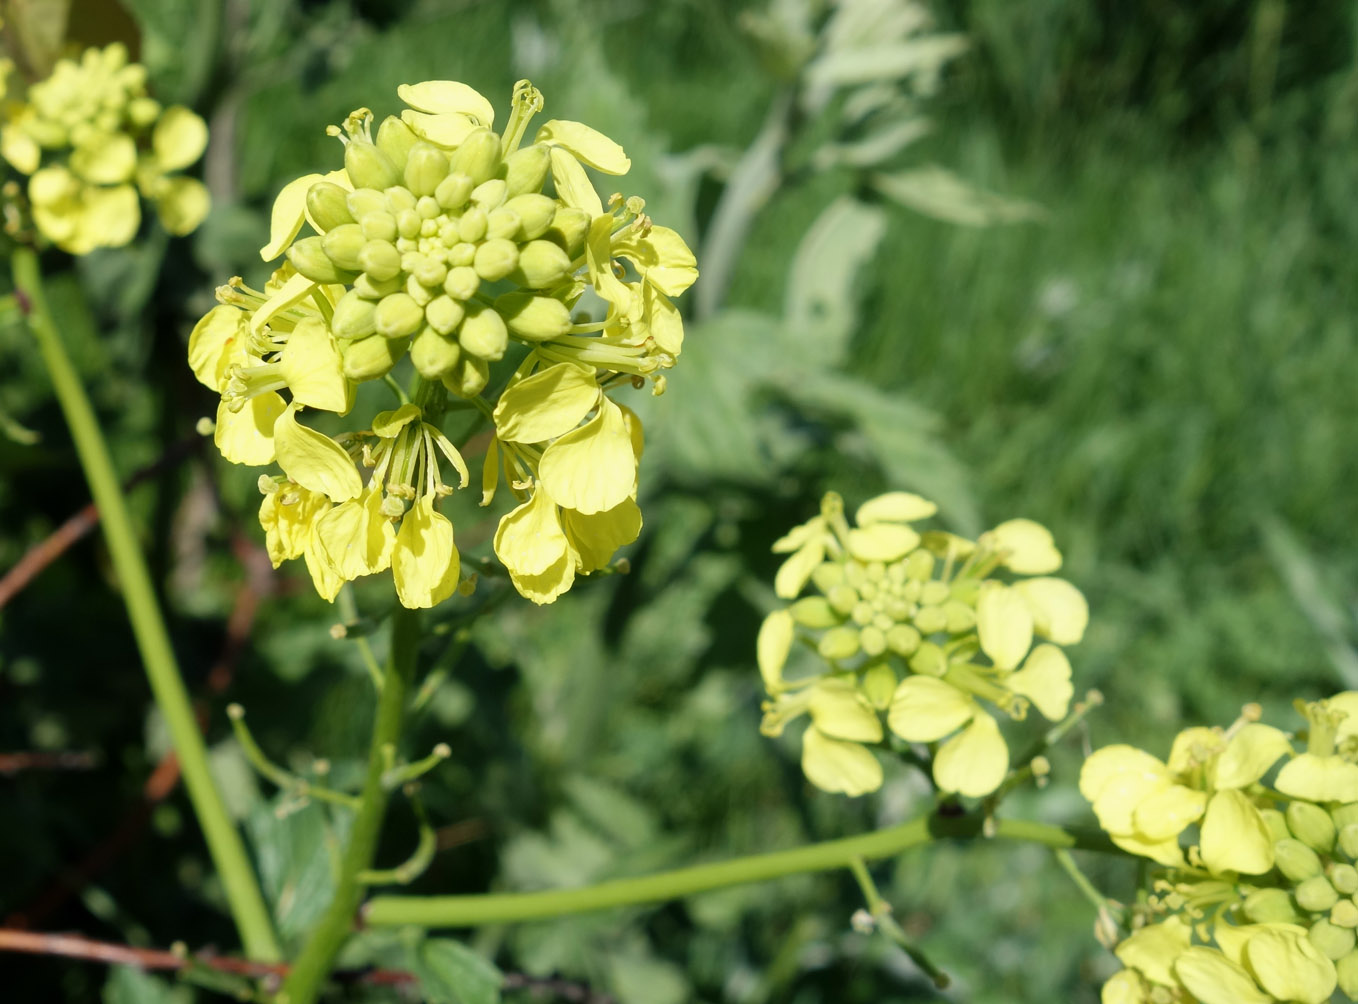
x: 295, y: 862
x: 451, y: 973
x: 937, y: 192
x: 129, y: 985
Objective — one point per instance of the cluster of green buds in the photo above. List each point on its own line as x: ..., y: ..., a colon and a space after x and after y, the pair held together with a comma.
x: 917, y: 627
x: 90, y: 139
x: 437, y: 249
x: 1256, y: 899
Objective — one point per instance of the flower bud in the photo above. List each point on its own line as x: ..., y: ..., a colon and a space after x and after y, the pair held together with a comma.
x: 379, y: 226
x: 535, y: 213
x: 434, y: 355
x: 873, y: 640
x: 929, y: 660
x: 309, y: 258
x: 1347, y: 971
x: 408, y: 223
x: 1277, y: 824
x: 1344, y: 878
x: 930, y: 620
x: 1333, y: 942
x: 417, y: 292
x: 838, y: 643
x: 326, y: 202
x: 354, y: 316
x: 362, y: 201
x: 1344, y: 814
x: 903, y: 639
x: 398, y: 198
x: 396, y: 140
x: 495, y: 259
x: 502, y: 223
x: 371, y: 289
x: 1295, y: 860
x: 380, y: 260
x: 430, y: 273
x: 372, y: 357
x: 368, y: 166
x: 960, y: 617
x: 483, y: 332
x: 812, y: 612
x: 468, y: 377
x: 461, y: 253
x: 479, y: 156
x: 1315, y: 894
x: 444, y: 314
x: 1348, y: 841
x: 568, y: 230
x: 454, y: 191
x: 462, y: 282
x: 526, y: 169
x: 827, y: 575
x: 1270, y: 906
x: 541, y: 264
x: 1344, y: 913
x: 843, y: 598
x: 342, y: 245
x: 535, y: 318
x: 426, y: 167
x: 398, y: 315
x: 1311, y: 825
x: 472, y: 226
x: 489, y: 194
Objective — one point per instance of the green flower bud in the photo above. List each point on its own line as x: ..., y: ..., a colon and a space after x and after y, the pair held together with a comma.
x: 1348, y: 841
x: 398, y: 198
x: 1269, y: 906
x: 873, y: 640
x: 489, y: 194
x: 454, y: 191
x: 919, y: 566
x: 1347, y: 971
x: 929, y: 660
x: 935, y: 593
x: 396, y: 140
x: 1344, y: 878
x: 843, y: 598
x: 479, y: 156
x: 434, y: 355
x: 1315, y: 894
x: 1333, y: 942
x: 812, y: 612
x: 428, y: 208
x: 368, y: 166
x: 468, y: 377
x: 1344, y: 814
x: 472, y: 226
x: 372, y: 357
x: 541, y: 264
x: 354, y: 316
x: 931, y: 620
x: 526, y: 169
x: 502, y: 223
x: 569, y: 228
x: 1295, y: 860
x: 372, y: 289
x: 1277, y: 824
x: 398, y: 315
x: 827, y: 575
x: 430, y: 273
x: 342, y: 245
x: 379, y: 226
x: 534, y: 318
x: 408, y: 223
x: 444, y: 314
x: 838, y: 643
x: 462, y: 253
x: 1311, y: 825
x: 326, y: 202
x: 417, y: 292
x: 380, y: 260
x: 898, y: 609
x: 426, y: 168
x: 462, y: 282
x: 495, y: 259
x: 483, y: 332
x: 362, y: 201
x: 903, y: 639
x: 1344, y: 913
x: 535, y: 214
x: 309, y: 258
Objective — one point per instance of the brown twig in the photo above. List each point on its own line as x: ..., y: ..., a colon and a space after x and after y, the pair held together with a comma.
x: 13, y: 763
x: 60, y: 540
x: 75, y: 946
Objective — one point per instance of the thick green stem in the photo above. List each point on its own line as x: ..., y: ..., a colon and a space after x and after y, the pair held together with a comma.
x: 223, y: 841
x: 304, y: 983
x: 496, y: 908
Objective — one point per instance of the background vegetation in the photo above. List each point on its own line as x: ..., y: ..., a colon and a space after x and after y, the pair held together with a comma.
x: 1160, y: 368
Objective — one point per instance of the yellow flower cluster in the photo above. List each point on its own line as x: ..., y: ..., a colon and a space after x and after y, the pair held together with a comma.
x: 90, y: 139
x: 437, y: 249
x: 917, y: 627
x: 1257, y: 901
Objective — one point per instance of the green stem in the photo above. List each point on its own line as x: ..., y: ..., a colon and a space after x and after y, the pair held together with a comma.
x: 223, y: 841
x: 304, y: 983
x: 495, y: 908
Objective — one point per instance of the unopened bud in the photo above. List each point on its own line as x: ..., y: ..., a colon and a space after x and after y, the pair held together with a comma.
x: 541, y: 264
x: 372, y: 357
x: 1311, y: 825
x: 370, y: 289
x: 444, y: 314
x: 1270, y: 906
x: 838, y: 643
x: 434, y: 355
x: 426, y: 168
x: 472, y: 225
x: 1315, y: 894
x: 526, y: 169
x: 1344, y: 878
x: 1344, y: 913
x: 1347, y: 971
x: 380, y: 260
x: 396, y: 140
x: 502, y: 223
x: 535, y: 212
x: 1276, y: 823
x: 342, y: 245
x: 362, y: 201
x: 569, y: 228
x: 489, y: 195
x: 1344, y: 814
x: 1295, y: 860
x: 483, y: 332
x: 469, y: 376
x: 309, y: 258
x: 495, y: 259
x: 930, y: 620
x: 369, y: 167
x: 814, y: 612
x: 430, y: 273
x: 454, y: 191
x: 929, y: 659
x: 534, y: 318
x: 1334, y: 942
x: 408, y: 223
x: 354, y: 316
x: 398, y: 315
x: 1348, y: 841
x: 479, y: 156
x: 461, y: 282
x: 326, y: 203
x: 903, y: 639
x: 873, y: 640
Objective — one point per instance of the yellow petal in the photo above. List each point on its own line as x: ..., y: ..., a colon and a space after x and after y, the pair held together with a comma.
x: 1059, y: 610
x: 837, y: 766
x: 1214, y: 979
x: 1029, y: 547
x: 1249, y: 754
x: 1235, y: 837
x: 1165, y: 812
x: 661, y: 257
x: 289, y: 212
x: 1290, y: 967
x: 105, y: 158
x: 213, y: 342
x: 1319, y: 779
x: 1045, y: 680
x: 772, y: 647
x: 1347, y: 702
x: 286, y: 516
x: 1153, y: 949
x: 592, y: 468
x: 894, y: 507
x: 973, y: 762
x: 925, y: 708
x: 327, y: 581
x: 312, y: 367
x: 793, y: 574
x: 20, y: 149
x: 573, y: 186
x: 179, y: 138
x: 662, y: 319
x: 247, y: 436
x: 182, y: 204
x: 291, y: 292
x: 1166, y: 852
x: 441, y: 97
x: 595, y: 538
x: 445, y: 130
x: 1004, y: 624
x: 1124, y: 987
x: 109, y: 217
x: 588, y: 145
x: 424, y: 558
x: 532, y: 546
x: 314, y: 460
x: 550, y: 403
x: 356, y: 537
x: 882, y: 542
x: 839, y: 711
x: 1193, y: 747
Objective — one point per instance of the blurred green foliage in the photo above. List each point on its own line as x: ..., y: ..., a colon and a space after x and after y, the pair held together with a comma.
x: 1160, y: 368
